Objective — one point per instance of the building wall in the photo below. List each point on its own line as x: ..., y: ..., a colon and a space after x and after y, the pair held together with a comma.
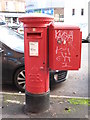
x: 77, y: 5
x: 0, y: 5
x: 89, y: 17
x: 77, y: 19
x: 12, y: 5
x: 10, y: 10
x: 43, y: 4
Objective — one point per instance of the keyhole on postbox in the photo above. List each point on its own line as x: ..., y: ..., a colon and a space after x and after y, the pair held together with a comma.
x: 76, y: 55
x: 42, y: 67
x: 59, y: 41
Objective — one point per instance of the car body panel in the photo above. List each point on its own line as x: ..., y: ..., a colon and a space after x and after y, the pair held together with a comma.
x: 11, y: 61
x: 12, y: 57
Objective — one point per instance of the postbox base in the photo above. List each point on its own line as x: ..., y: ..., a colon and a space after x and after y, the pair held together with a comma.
x: 37, y: 102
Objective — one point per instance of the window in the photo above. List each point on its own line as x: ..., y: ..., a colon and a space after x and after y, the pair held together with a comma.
x: 82, y: 11
x: 9, y: 6
x: 6, y: 5
x: 73, y: 11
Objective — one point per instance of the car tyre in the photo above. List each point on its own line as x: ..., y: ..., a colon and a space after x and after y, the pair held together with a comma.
x: 19, y: 79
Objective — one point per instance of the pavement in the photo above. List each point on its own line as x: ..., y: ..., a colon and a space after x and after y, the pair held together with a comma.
x: 68, y: 99
x: 13, y: 107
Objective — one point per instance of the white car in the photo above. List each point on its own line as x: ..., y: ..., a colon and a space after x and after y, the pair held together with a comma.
x: 14, y: 26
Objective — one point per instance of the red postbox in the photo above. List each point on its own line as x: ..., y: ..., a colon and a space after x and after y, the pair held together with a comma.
x: 36, y: 61
x: 64, y: 47
x: 47, y: 45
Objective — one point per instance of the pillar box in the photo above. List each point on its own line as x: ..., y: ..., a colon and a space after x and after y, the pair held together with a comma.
x: 36, y: 62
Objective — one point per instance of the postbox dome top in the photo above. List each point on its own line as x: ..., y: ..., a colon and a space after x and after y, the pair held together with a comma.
x: 36, y: 18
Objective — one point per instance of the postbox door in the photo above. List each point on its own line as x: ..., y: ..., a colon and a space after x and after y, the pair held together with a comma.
x: 36, y: 60
x: 66, y: 49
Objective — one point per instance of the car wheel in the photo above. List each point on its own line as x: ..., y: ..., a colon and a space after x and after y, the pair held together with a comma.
x: 19, y: 79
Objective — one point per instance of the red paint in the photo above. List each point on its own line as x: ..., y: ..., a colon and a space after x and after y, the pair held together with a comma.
x: 64, y: 47
x: 64, y: 50
x: 36, y: 67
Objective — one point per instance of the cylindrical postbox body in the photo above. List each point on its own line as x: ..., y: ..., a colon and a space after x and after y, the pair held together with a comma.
x: 36, y: 62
